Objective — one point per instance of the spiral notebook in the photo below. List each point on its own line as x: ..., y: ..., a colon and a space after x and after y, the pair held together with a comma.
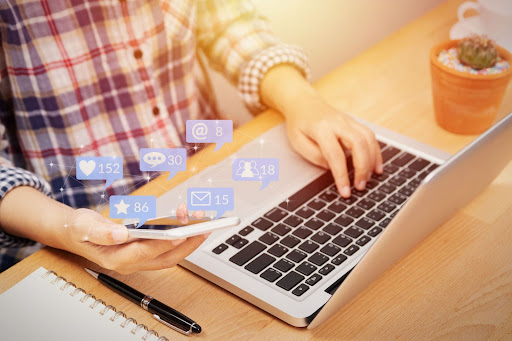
x: 44, y: 306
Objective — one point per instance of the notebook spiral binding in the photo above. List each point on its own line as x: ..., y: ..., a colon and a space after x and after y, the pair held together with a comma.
x: 106, y: 308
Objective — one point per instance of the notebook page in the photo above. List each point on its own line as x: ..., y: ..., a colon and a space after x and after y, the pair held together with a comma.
x: 36, y: 309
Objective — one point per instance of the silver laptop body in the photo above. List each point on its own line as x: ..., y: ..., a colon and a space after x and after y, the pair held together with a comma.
x: 440, y: 194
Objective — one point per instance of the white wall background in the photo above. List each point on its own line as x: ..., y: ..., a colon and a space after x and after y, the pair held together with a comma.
x: 330, y: 31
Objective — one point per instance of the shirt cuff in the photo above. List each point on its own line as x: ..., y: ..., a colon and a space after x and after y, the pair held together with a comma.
x: 10, y: 178
x: 253, y: 72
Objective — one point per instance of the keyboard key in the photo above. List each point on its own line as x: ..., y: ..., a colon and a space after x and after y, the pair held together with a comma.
x: 382, y: 145
x: 359, y: 193
x: 290, y: 280
x: 233, y: 239
x: 293, y: 221
x: 302, y: 232
x: 275, y: 214
x: 281, y: 229
x: 330, y: 249
x: 387, y: 207
x: 376, y: 215
x: 433, y: 167
x: 305, y: 212
x: 241, y: 243
x: 309, y: 246
x: 298, y: 291
x: 325, y: 215
x: 269, y: 238
x: 277, y: 250
x: 342, y: 240
x: 385, y: 222
x: 247, y: 253
x: 328, y: 196
x: 343, y: 220
x: 318, y: 259
x: 371, y: 184
x: 423, y: 175
x: 363, y: 240
x: 380, y: 177
x: 366, y: 203
x: 306, y: 268
x: 313, y: 279
x: 365, y: 223
x: 245, y: 231
x: 290, y: 241
x: 397, y: 180
x: 387, y: 188
x: 284, y: 265
x: 316, y: 204
x: 419, y: 164
x: 314, y: 223
x: 402, y: 159
x: 374, y: 231
x: 337, y: 207
x: 219, y: 249
x: 339, y: 259
x: 262, y: 223
x: 327, y: 268
x: 355, y: 212
x: 351, y: 250
x: 397, y: 198
x: 296, y: 256
x: 308, y: 192
x: 391, y: 168
x: 260, y: 263
x: 321, y: 237
x: 271, y: 274
x: 348, y: 201
x: 407, y: 190
x: 388, y: 153
x: 353, y: 232
x: 414, y: 182
x: 407, y: 173
x: 376, y: 196
x: 332, y: 229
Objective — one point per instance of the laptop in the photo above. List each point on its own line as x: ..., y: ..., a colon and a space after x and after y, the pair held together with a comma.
x: 302, y: 251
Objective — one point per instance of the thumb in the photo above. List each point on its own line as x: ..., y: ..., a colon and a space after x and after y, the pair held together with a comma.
x: 92, y: 227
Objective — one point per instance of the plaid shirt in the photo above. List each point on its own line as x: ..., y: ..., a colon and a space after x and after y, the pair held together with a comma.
x: 109, y: 77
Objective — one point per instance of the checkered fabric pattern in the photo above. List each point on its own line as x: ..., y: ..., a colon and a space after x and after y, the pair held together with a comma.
x: 100, y: 78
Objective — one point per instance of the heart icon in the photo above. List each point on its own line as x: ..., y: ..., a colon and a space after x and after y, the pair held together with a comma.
x: 87, y: 167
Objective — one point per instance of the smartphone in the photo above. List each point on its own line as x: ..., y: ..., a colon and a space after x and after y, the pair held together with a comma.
x: 170, y: 228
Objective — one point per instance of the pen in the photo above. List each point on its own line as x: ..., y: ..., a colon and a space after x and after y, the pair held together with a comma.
x: 161, y: 312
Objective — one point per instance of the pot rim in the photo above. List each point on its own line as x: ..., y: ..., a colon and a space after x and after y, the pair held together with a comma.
x: 436, y: 49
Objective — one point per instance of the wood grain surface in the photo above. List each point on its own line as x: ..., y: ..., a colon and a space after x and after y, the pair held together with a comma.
x: 455, y: 285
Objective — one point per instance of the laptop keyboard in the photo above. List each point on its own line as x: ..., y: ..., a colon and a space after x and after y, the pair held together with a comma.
x: 316, y: 230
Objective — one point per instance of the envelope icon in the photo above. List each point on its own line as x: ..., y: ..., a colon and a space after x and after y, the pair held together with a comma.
x: 200, y: 198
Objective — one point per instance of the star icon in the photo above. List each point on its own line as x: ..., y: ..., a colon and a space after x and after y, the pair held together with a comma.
x: 122, y: 207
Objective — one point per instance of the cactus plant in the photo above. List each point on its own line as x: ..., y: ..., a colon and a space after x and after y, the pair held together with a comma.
x: 478, y: 52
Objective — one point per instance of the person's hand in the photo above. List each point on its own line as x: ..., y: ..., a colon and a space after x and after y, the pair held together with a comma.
x: 322, y: 135
x: 98, y: 239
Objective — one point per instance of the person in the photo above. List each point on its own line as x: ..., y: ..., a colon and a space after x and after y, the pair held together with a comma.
x: 98, y: 78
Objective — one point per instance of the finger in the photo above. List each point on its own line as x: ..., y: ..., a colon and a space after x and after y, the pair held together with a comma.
x: 135, y: 254
x: 371, y: 143
x: 94, y: 228
x: 379, y: 163
x: 333, y: 152
x: 357, y: 143
x: 182, y: 214
x: 198, y: 214
x: 173, y: 257
x: 309, y: 150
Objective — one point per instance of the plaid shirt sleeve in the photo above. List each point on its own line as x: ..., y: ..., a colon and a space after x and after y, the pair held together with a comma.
x: 239, y: 42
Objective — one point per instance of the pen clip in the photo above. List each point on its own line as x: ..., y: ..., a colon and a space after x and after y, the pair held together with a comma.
x: 159, y: 319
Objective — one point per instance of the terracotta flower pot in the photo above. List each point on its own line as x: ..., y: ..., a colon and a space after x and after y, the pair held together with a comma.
x: 465, y: 103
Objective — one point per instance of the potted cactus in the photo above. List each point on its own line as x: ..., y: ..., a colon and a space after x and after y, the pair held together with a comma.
x: 469, y: 79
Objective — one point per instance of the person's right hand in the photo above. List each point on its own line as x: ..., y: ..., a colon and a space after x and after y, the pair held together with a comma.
x: 98, y: 239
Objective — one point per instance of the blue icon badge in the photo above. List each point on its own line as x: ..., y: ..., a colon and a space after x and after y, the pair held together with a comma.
x: 211, y: 199
x: 256, y: 169
x: 108, y: 168
x: 210, y: 131
x: 142, y: 207
x: 173, y: 160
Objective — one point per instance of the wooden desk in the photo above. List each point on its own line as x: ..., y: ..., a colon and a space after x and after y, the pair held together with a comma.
x: 457, y: 284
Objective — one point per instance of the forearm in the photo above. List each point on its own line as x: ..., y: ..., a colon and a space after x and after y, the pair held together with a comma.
x: 28, y: 213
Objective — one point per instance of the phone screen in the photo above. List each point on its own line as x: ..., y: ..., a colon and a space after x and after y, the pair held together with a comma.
x: 168, y: 223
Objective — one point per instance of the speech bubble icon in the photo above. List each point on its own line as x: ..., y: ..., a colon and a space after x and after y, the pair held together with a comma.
x: 109, y: 168
x: 141, y: 207
x: 210, y: 131
x: 220, y: 199
x: 256, y: 169
x: 173, y: 160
